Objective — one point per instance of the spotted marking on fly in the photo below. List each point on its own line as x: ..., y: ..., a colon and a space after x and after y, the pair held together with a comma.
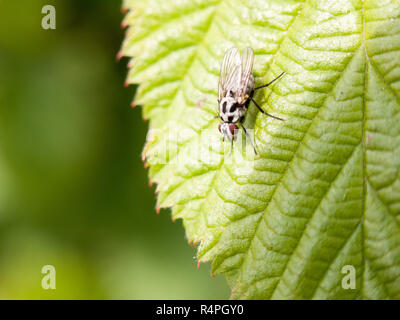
x: 233, y: 108
x: 224, y: 107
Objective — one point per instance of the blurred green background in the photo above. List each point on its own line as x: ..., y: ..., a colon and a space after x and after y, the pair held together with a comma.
x: 73, y: 190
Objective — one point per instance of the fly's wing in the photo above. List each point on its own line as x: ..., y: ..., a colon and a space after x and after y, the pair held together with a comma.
x: 230, y: 73
x: 247, y: 80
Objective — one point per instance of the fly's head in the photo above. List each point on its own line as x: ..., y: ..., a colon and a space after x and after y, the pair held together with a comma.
x: 228, y: 130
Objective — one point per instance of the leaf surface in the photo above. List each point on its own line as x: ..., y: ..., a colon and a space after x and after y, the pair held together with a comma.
x: 324, y: 192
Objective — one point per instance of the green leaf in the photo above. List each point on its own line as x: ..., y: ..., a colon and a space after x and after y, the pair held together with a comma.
x: 324, y: 191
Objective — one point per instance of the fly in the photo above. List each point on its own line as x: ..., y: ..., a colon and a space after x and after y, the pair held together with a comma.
x: 235, y: 92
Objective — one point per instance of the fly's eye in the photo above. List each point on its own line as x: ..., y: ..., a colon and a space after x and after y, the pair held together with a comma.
x: 233, y: 128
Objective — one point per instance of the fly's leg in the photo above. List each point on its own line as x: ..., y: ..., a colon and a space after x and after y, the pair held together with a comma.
x: 269, y: 83
x: 262, y: 111
x: 260, y: 87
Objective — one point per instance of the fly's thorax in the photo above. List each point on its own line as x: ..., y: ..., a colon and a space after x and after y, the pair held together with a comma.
x: 226, y: 104
x: 230, y: 110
